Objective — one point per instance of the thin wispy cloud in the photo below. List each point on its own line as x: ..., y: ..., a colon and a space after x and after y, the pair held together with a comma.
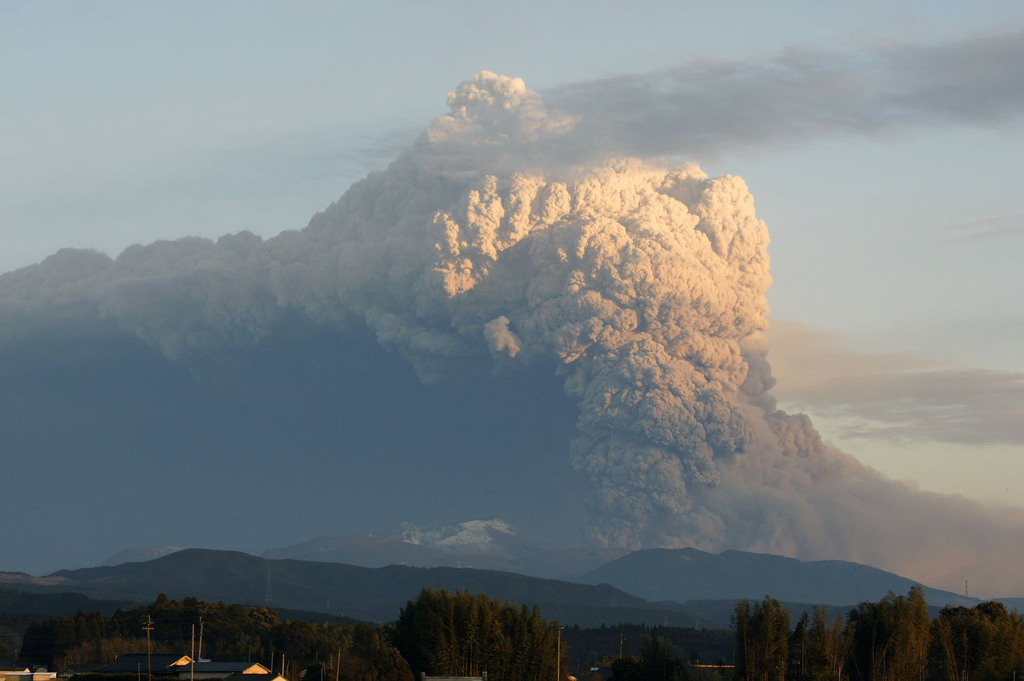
x: 988, y: 229
x: 706, y: 108
x: 896, y: 397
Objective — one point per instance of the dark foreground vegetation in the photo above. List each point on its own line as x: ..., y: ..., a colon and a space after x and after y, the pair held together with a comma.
x: 461, y: 634
x: 891, y: 640
x: 228, y: 632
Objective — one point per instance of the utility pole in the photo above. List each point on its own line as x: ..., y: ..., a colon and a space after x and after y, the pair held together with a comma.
x: 558, y: 655
x: 149, y: 653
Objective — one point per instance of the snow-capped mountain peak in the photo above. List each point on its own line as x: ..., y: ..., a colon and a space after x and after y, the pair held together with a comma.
x: 471, y: 535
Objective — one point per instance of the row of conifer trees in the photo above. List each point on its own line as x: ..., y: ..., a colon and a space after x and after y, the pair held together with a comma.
x: 893, y: 639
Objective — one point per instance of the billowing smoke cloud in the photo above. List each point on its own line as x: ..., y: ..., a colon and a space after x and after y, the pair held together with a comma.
x: 646, y: 287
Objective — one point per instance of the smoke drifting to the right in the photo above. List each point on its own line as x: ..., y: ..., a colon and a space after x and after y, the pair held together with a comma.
x: 644, y: 287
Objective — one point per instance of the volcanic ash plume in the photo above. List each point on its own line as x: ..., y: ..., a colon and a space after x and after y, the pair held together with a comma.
x: 643, y: 283
x: 476, y: 253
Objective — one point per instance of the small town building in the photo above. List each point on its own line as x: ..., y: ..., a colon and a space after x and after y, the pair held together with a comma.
x: 19, y: 673
x: 160, y: 664
x: 207, y: 669
x: 269, y: 676
x: 183, y: 668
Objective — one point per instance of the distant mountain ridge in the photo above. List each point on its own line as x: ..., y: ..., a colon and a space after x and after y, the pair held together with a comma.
x: 371, y: 577
x: 371, y: 594
x: 678, y: 575
x: 681, y: 587
x: 485, y: 544
x: 689, y: 575
x: 140, y: 554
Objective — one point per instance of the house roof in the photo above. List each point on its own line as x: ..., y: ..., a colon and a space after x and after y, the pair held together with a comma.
x: 255, y: 677
x: 133, y: 662
x: 211, y: 667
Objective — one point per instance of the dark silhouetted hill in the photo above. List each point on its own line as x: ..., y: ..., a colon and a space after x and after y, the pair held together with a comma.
x: 690, y: 575
x: 371, y: 594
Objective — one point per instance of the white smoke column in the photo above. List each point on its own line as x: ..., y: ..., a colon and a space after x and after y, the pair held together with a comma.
x: 644, y: 285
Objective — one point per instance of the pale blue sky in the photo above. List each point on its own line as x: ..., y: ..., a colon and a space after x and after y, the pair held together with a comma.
x: 130, y: 122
